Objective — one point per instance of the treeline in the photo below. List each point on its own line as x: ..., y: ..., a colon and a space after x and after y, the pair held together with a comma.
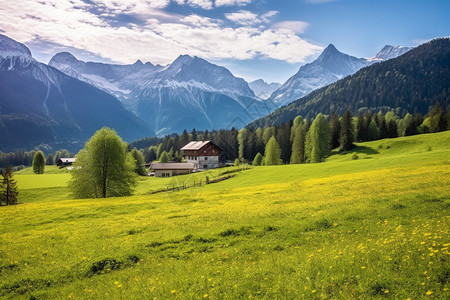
x: 300, y: 140
x: 25, y: 158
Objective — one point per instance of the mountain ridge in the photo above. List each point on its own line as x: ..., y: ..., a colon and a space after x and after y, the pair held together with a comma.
x: 410, y: 83
x: 40, y: 104
x: 330, y: 66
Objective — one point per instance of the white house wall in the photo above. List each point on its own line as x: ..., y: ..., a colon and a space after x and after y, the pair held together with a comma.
x: 211, y: 162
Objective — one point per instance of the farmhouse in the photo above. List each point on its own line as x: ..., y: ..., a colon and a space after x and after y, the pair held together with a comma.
x: 172, y: 169
x: 204, y: 154
x: 65, y: 162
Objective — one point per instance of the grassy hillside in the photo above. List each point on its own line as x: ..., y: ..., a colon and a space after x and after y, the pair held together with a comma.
x: 373, y: 227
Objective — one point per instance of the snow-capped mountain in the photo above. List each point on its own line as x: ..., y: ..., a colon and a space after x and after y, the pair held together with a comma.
x: 262, y: 89
x: 389, y: 52
x: 39, y: 104
x: 188, y: 93
x: 329, y: 67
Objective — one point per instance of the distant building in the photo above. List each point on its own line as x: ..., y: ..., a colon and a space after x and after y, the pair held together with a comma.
x: 65, y: 162
x: 172, y: 169
x: 204, y: 154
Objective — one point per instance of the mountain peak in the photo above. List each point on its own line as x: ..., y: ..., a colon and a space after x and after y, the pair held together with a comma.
x: 63, y: 58
x: 10, y: 47
x: 138, y: 63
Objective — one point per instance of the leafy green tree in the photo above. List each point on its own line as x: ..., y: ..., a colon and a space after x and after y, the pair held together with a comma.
x: 272, y: 154
x: 346, y: 136
x: 164, y: 158
x: 140, y: 162
x: 298, y: 133
x: 8, y: 187
x: 103, y: 167
x: 318, y: 140
x: 39, y: 162
x: 242, y: 136
x: 258, y: 159
x: 373, y: 132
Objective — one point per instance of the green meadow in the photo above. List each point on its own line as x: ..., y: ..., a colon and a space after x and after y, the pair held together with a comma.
x: 372, y: 227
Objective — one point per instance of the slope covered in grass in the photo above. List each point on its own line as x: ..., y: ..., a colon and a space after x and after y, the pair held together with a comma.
x: 377, y: 226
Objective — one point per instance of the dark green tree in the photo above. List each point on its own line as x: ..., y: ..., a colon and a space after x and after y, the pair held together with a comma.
x: 335, y: 124
x: 140, y: 162
x: 103, y: 167
x: 39, y: 162
x: 318, y: 140
x: 8, y: 187
x: 49, y: 160
x: 272, y: 154
x: 346, y: 136
x: 437, y: 117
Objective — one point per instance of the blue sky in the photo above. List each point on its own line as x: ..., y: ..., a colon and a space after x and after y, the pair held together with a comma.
x: 253, y: 38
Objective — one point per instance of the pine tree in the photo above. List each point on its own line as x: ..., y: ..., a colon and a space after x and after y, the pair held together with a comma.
x: 272, y: 154
x: 8, y: 187
x: 267, y: 134
x: 346, y: 135
x: 39, y: 162
x: 335, y: 124
x: 49, y: 160
x: 257, y: 160
x: 318, y: 140
x: 437, y: 117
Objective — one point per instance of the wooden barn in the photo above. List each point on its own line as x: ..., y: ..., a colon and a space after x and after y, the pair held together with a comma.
x: 204, y: 154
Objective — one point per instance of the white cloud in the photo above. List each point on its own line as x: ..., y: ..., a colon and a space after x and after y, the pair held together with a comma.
x: 244, y: 17
x: 205, y: 4
x: 160, y: 39
x: 297, y: 27
x: 232, y: 2
x: 247, y: 18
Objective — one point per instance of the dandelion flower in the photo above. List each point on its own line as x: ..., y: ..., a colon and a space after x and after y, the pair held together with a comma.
x: 429, y: 293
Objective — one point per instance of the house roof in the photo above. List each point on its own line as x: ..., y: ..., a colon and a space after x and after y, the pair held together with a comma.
x: 173, y: 166
x: 67, y: 160
x: 195, y: 145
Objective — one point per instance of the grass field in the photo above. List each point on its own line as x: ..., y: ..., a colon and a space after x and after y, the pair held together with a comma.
x: 374, y: 227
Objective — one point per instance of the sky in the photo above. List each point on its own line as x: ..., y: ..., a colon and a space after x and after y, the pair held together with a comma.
x: 253, y: 38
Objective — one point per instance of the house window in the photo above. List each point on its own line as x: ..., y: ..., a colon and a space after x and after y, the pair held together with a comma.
x: 206, y: 158
x: 205, y: 166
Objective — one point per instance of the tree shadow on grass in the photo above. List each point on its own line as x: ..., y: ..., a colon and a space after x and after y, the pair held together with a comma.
x: 358, y: 150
